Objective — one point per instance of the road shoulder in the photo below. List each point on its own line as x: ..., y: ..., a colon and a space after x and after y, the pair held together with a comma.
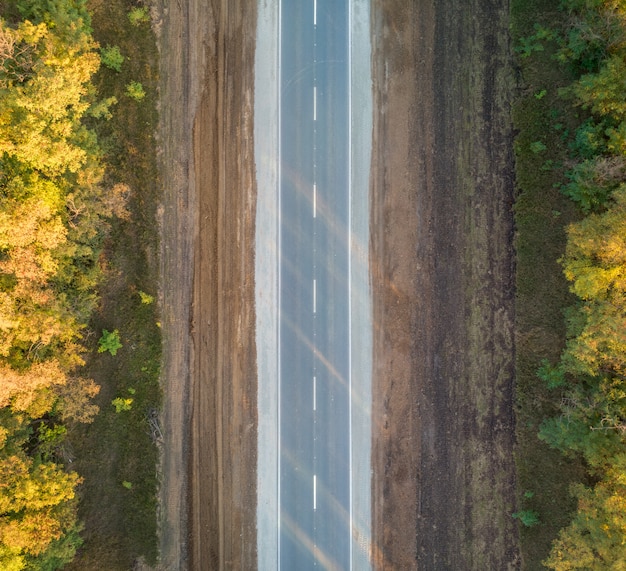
x: 442, y: 256
x: 208, y: 491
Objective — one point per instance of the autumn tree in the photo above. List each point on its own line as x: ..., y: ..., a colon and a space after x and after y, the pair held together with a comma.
x: 39, y: 118
x: 594, y: 541
x: 37, y: 507
x: 37, y: 500
x: 590, y: 379
x: 54, y: 211
x: 20, y: 388
x: 595, y: 263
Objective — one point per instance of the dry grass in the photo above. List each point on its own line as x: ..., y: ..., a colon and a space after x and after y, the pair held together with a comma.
x: 120, y: 522
x: 542, y: 213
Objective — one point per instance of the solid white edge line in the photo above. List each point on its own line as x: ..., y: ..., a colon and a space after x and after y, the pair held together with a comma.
x: 350, y: 275
x: 279, y: 240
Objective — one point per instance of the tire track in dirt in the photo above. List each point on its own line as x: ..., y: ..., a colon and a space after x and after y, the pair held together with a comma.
x: 208, y: 495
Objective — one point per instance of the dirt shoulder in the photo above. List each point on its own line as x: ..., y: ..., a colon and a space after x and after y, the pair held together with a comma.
x: 178, y: 226
x: 442, y: 229
x: 223, y: 422
x: 209, y: 464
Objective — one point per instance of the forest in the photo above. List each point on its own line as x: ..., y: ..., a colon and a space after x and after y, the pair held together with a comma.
x: 583, y: 150
x: 54, y: 213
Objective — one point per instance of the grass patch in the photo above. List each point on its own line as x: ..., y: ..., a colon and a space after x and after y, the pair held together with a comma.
x: 542, y: 212
x: 116, y: 454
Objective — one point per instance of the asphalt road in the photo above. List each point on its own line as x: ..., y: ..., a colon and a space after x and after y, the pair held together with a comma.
x: 314, y: 286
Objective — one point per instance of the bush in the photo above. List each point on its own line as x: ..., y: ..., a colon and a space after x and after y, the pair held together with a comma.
x: 146, y: 298
x: 112, y: 58
x: 553, y: 376
x: 529, y: 518
x: 537, y: 147
x: 122, y: 404
x: 110, y: 341
x: 102, y: 108
x: 135, y: 91
x: 138, y: 16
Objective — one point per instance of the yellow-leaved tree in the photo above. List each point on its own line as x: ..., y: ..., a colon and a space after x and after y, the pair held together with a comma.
x: 594, y: 541
x: 53, y: 213
x: 39, y: 116
x: 595, y: 263
x: 37, y: 508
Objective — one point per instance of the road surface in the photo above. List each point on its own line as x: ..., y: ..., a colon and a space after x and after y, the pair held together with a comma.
x: 309, y: 306
x: 314, y: 186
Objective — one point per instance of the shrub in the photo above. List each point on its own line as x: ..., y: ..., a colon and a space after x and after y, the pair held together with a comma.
x: 110, y: 341
x: 529, y: 518
x: 135, y: 91
x: 112, y: 58
x: 122, y: 404
x: 138, y: 16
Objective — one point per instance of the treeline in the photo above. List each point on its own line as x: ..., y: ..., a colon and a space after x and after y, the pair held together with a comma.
x: 53, y: 216
x: 591, y: 375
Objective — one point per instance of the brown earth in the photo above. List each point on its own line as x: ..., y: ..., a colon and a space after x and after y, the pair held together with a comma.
x: 222, y: 463
x: 208, y: 492
x: 442, y: 229
x: 442, y: 276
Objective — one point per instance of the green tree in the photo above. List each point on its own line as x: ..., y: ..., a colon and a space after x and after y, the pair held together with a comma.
x: 603, y: 92
x: 112, y: 58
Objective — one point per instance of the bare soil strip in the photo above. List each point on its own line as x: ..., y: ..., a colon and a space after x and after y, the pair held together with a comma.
x: 441, y: 250
x: 177, y: 232
x: 209, y: 466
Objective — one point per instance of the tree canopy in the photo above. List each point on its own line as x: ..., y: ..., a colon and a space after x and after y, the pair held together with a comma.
x: 591, y: 375
x: 54, y: 209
